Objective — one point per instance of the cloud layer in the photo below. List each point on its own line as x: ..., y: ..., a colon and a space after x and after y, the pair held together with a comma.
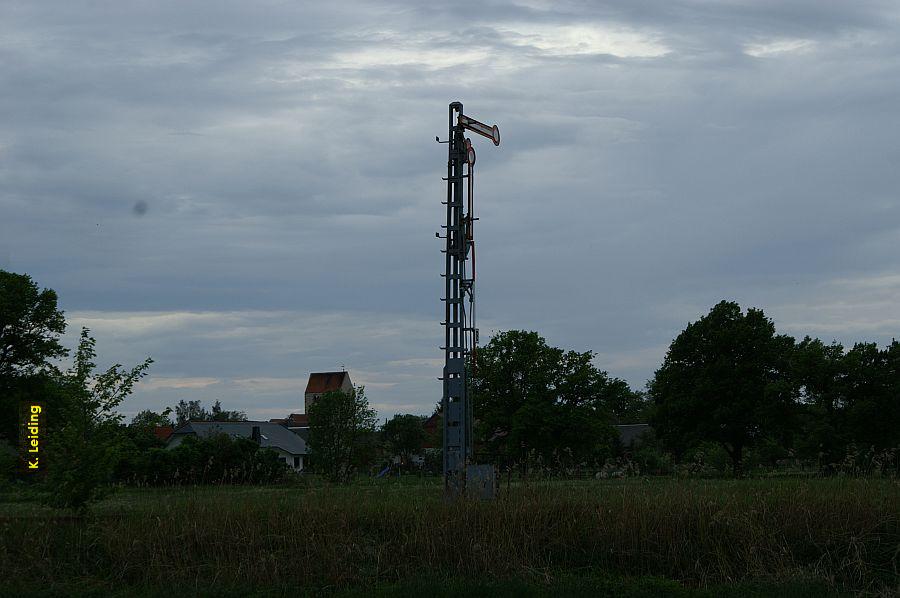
x: 250, y: 193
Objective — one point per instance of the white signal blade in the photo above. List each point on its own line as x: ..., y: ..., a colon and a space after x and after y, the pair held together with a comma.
x: 491, y: 132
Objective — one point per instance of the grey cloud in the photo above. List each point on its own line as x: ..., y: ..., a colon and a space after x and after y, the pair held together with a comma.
x: 285, y: 155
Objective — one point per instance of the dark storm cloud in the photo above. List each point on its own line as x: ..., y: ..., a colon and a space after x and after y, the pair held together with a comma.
x: 657, y: 157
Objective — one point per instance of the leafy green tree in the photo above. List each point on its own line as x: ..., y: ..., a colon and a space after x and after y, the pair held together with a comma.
x: 217, y: 414
x: 404, y: 436
x: 627, y: 406
x: 30, y: 326
x: 533, y: 398
x: 726, y: 379
x: 341, y: 426
x: 188, y: 411
x: 847, y: 398
x: 435, y: 437
x: 85, y: 446
x: 368, y: 450
x: 871, y: 405
x: 818, y: 373
x: 887, y: 430
x: 150, y: 419
x: 141, y: 433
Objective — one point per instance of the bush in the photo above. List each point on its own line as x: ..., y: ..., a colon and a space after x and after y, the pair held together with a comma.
x: 217, y: 459
x: 708, y: 459
x: 8, y: 462
x: 867, y: 462
x: 652, y: 460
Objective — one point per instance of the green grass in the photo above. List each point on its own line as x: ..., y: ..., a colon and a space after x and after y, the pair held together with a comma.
x: 637, y: 537
x: 574, y: 585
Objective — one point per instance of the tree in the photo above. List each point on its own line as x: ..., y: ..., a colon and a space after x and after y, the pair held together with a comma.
x: 150, y: 419
x: 141, y: 433
x: 818, y: 373
x: 847, y: 398
x: 871, y: 401
x: 404, y: 436
x: 726, y: 379
x: 340, y: 425
x: 188, y: 411
x: 217, y: 414
x: 30, y: 325
x: 84, y: 448
x: 530, y: 397
x: 627, y: 406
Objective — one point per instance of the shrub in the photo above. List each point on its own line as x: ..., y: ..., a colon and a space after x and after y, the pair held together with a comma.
x: 217, y: 459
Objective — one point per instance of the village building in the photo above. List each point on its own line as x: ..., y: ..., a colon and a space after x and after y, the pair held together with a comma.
x: 163, y: 432
x: 298, y: 423
x: 322, y: 382
x: 318, y: 384
x: 290, y: 447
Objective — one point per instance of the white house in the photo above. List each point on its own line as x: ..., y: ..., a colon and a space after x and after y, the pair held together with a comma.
x: 290, y: 447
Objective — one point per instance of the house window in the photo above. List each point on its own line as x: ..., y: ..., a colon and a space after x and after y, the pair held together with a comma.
x: 296, y: 461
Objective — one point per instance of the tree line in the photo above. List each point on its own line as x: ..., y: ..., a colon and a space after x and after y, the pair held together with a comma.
x: 728, y: 380
x: 84, y: 444
x: 90, y: 444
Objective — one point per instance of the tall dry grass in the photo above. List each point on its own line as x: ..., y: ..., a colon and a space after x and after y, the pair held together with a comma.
x: 846, y: 532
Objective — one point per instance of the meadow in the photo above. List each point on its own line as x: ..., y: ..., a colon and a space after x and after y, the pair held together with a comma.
x: 634, y: 537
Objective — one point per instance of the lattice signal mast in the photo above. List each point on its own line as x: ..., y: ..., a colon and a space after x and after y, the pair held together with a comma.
x: 460, y: 333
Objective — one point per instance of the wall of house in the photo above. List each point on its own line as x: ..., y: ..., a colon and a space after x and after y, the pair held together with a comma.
x: 177, y: 439
x: 289, y: 459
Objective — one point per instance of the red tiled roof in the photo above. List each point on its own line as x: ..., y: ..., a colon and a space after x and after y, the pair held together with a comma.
x: 320, y: 382
x: 163, y: 432
x: 297, y: 420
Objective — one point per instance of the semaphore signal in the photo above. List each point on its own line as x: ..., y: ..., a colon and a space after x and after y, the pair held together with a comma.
x: 461, y: 475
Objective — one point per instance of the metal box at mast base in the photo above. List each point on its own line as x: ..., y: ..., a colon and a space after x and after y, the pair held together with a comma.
x: 460, y: 334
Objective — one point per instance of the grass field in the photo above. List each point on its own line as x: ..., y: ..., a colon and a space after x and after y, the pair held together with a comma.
x: 636, y: 537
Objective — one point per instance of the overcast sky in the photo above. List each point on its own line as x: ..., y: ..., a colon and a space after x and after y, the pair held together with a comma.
x: 249, y: 191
